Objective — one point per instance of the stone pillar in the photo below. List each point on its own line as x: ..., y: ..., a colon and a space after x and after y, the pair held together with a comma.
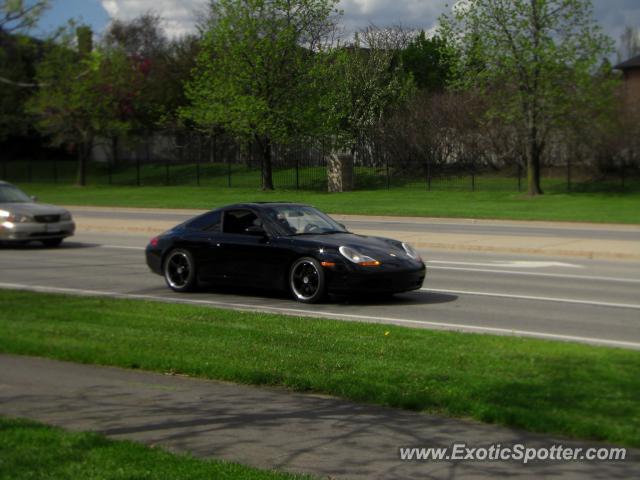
x: 339, y: 172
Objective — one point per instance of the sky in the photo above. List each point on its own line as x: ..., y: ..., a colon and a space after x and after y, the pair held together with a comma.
x: 179, y: 15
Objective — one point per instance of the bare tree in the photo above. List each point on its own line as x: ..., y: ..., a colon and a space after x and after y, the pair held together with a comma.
x: 17, y: 15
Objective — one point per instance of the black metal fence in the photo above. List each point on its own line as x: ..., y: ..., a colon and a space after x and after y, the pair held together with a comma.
x: 217, y: 162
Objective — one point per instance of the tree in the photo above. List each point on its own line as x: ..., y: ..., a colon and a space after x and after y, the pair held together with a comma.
x: 19, y: 15
x: 83, y: 93
x: 368, y: 81
x: 258, y: 68
x: 629, y: 43
x: 18, y: 56
x: 533, y: 59
x: 428, y: 61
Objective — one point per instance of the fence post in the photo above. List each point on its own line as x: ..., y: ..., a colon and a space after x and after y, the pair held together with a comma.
x: 386, y: 160
x: 473, y: 176
x: 569, y: 174
x: 519, y: 177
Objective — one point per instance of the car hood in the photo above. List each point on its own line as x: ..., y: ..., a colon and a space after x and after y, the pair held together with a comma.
x: 380, y: 246
x: 32, y: 209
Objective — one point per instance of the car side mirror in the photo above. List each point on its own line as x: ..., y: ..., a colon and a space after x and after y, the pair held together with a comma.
x: 34, y: 198
x: 256, y: 230
x: 342, y: 225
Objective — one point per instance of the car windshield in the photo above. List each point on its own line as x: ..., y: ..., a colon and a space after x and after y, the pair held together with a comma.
x: 11, y: 194
x: 300, y: 220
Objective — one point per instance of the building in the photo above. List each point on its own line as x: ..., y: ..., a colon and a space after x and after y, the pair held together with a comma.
x: 631, y: 71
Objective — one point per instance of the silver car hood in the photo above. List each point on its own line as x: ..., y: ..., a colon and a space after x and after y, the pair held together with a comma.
x: 32, y: 209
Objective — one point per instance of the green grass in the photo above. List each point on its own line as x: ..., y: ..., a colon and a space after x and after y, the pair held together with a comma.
x: 30, y: 450
x: 561, y: 388
x: 585, y: 207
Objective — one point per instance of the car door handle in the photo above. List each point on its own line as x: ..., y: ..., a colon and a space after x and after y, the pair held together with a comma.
x: 213, y: 241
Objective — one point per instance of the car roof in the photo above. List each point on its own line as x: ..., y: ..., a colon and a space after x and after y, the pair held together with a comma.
x: 260, y: 205
x: 2, y: 182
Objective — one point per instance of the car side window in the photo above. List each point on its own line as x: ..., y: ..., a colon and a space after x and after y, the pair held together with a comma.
x: 237, y: 221
x: 209, y: 222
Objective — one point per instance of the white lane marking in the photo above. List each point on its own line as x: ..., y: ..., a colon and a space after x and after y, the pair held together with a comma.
x: 510, y: 264
x: 536, y: 298
x: 537, y: 274
x: 329, y: 315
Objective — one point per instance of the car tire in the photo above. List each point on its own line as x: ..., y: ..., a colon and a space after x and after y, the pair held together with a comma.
x: 307, y: 280
x: 52, y: 242
x: 179, y: 270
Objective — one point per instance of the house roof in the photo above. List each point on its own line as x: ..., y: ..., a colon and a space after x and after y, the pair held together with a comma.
x: 633, y: 62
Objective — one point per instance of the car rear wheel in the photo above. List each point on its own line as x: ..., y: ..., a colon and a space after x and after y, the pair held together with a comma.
x: 307, y: 281
x: 180, y: 271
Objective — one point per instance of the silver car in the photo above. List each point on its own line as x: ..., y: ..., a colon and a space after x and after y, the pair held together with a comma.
x: 23, y: 220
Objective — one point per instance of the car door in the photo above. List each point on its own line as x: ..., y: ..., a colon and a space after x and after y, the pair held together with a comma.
x: 202, y: 239
x: 240, y: 250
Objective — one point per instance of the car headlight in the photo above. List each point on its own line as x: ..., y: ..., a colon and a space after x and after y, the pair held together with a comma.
x: 358, y: 258
x: 14, y: 217
x: 411, y: 252
x: 65, y: 217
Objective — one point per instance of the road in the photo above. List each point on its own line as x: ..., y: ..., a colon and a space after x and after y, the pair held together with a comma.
x: 556, y: 298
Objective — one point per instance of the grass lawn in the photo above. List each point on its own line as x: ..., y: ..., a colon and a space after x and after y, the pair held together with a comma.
x: 561, y: 388
x: 583, y: 207
x: 30, y: 450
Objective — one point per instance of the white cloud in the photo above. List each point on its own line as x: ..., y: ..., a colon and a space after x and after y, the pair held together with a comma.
x: 179, y: 15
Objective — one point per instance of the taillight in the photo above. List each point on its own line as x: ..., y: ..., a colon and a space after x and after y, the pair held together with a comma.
x: 154, y: 242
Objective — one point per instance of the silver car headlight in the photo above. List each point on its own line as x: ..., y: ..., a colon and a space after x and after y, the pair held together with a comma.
x: 65, y: 217
x: 15, y: 217
x: 411, y: 252
x: 358, y: 258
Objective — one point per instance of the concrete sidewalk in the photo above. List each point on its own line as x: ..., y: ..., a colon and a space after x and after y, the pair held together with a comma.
x: 88, y: 220
x: 267, y: 428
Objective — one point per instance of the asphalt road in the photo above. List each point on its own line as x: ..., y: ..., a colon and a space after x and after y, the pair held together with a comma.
x: 554, y: 298
x: 462, y: 226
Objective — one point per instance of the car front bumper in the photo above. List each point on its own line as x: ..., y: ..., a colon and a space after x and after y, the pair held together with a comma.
x: 371, y: 280
x: 21, y: 232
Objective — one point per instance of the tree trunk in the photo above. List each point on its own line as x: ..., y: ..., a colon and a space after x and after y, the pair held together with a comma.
x: 114, y: 151
x: 533, y: 163
x: 81, y: 178
x: 267, y: 175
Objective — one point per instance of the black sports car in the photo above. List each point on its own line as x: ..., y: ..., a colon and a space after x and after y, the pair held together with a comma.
x: 282, y: 245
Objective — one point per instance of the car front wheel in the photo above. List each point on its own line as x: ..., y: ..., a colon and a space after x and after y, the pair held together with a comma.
x: 180, y: 271
x: 307, y: 281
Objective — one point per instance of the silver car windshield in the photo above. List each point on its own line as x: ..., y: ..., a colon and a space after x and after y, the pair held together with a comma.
x: 300, y: 220
x: 11, y: 194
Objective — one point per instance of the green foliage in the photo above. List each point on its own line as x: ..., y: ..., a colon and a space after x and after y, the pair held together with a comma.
x: 18, y: 57
x: 20, y: 15
x: 534, y: 60
x: 429, y: 61
x: 368, y: 81
x: 257, y: 72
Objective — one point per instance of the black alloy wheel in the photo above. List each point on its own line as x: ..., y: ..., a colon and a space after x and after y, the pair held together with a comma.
x: 306, y: 280
x: 180, y: 271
